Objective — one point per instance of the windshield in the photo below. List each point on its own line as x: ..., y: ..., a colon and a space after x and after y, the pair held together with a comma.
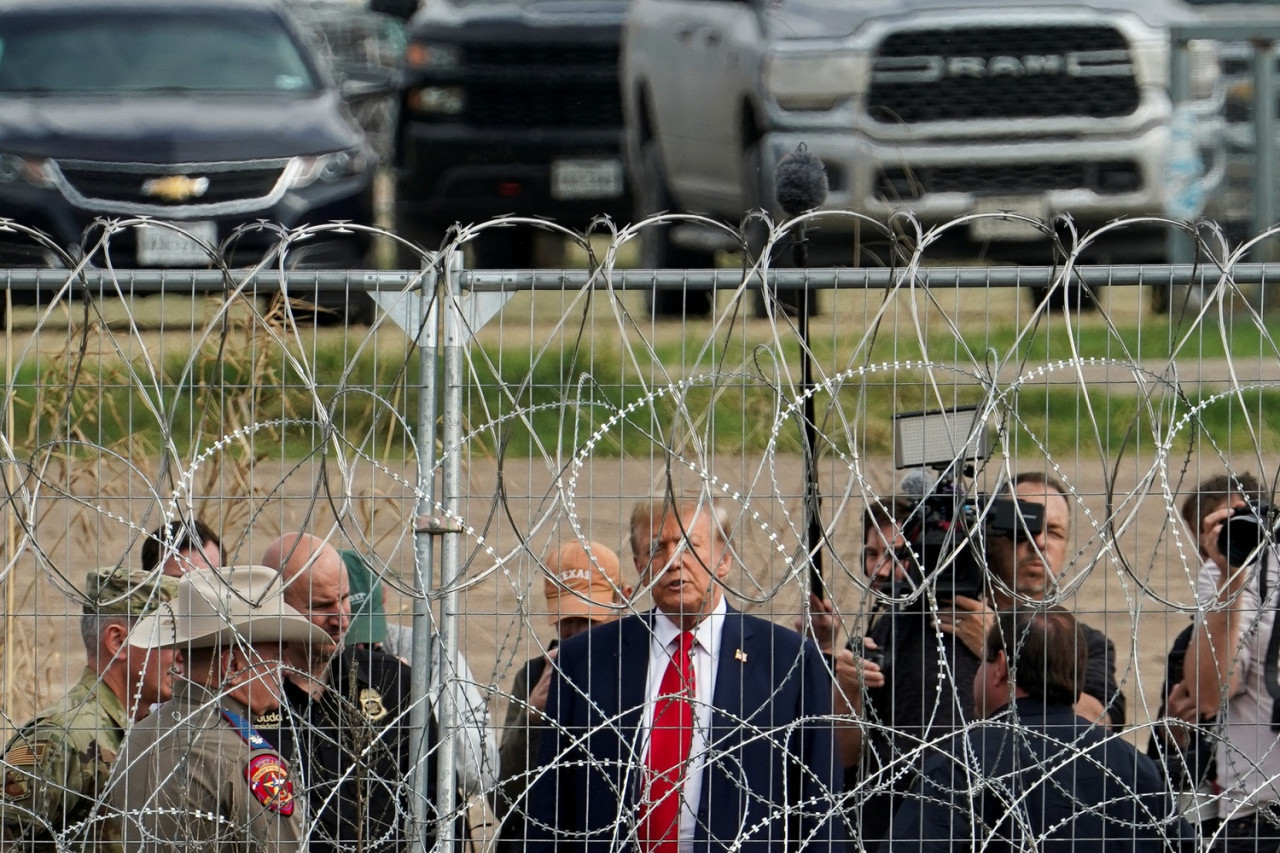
x: 155, y: 50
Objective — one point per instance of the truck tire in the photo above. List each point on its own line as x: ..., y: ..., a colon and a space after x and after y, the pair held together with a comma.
x: 1074, y: 297
x: 504, y: 249
x: 656, y: 249
x: 1160, y: 298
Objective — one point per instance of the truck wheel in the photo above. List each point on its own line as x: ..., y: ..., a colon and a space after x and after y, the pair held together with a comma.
x: 424, y: 234
x: 656, y: 249
x: 1074, y: 297
x: 1160, y: 298
x: 504, y: 249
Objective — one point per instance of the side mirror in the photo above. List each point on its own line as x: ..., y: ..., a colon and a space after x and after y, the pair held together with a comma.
x: 365, y: 82
x: 402, y: 9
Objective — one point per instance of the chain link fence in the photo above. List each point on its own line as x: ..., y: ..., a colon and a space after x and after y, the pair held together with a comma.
x: 485, y: 419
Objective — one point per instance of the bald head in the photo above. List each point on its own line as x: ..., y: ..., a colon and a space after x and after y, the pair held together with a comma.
x: 315, y: 580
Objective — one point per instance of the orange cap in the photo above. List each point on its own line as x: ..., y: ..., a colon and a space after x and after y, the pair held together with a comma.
x: 584, y: 584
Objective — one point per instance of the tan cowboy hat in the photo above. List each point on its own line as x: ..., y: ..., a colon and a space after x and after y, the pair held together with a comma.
x: 214, y: 607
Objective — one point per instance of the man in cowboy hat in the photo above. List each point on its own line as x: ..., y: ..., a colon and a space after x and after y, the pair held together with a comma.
x: 195, y: 774
x: 56, y: 766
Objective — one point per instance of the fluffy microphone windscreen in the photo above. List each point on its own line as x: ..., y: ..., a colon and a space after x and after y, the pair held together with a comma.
x: 801, y: 182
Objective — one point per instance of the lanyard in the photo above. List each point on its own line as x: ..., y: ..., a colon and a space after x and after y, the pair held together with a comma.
x: 245, y: 730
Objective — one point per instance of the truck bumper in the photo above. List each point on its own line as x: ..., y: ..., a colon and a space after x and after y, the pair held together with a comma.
x: 1034, y: 178
x: 452, y: 174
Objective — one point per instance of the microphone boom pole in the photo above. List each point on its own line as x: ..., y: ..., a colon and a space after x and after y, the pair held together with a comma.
x: 801, y: 186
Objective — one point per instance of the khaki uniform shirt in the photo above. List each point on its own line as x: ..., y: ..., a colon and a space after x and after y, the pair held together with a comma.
x: 56, y: 767
x: 195, y: 776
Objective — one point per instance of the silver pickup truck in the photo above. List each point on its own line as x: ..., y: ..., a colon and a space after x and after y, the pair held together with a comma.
x: 937, y: 107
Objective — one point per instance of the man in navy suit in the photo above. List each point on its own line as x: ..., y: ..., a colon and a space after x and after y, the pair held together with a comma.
x: 693, y: 727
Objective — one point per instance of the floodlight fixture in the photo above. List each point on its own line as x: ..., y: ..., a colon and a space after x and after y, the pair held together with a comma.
x: 940, y: 439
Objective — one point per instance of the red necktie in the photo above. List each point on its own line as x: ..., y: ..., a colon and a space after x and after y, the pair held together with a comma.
x: 669, y: 744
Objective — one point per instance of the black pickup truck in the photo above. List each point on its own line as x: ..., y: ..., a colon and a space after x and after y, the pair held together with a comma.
x: 508, y: 107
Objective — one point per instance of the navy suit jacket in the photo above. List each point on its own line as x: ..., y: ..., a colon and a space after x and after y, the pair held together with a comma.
x: 1037, y: 777
x: 769, y: 778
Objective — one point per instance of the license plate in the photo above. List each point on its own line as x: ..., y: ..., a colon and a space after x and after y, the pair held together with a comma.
x: 991, y: 227
x: 573, y: 179
x: 160, y: 246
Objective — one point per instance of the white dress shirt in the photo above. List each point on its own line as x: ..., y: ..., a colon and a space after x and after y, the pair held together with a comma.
x: 706, y: 657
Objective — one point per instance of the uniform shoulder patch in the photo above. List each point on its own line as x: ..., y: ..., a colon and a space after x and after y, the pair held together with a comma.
x: 270, y: 783
x: 21, y: 755
x: 26, y: 754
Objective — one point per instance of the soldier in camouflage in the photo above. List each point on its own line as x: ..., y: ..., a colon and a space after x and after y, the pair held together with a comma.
x: 56, y: 767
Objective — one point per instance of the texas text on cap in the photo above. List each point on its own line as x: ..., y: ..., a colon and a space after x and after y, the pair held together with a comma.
x: 214, y: 607
x: 115, y: 591
x: 577, y: 586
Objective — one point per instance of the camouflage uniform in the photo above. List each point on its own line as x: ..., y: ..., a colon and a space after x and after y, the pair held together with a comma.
x: 56, y: 767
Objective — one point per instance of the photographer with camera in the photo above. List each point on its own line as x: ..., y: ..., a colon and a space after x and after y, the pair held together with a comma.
x: 915, y: 681
x: 1026, y: 554
x: 1231, y: 668
x: 933, y: 645
x: 1183, y: 741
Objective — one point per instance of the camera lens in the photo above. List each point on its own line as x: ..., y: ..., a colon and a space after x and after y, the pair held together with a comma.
x: 1242, y: 535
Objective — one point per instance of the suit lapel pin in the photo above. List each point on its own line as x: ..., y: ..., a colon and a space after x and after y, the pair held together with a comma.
x: 740, y: 656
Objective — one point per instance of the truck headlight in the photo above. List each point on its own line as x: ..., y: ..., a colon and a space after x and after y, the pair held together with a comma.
x: 328, y: 168
x: 437, y: 100
x: 30, y: 170
x: 421, y: 55
x: 816, y: 81
x: 1202, y: 57
x: 1150, y: 62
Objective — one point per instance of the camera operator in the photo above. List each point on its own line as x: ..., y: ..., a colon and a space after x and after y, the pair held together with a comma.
x: 1232, y: 648
x: 915, y: 682
x: 1027, y: 566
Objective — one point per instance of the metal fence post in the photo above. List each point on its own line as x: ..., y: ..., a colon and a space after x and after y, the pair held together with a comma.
x: 1264, y: 128
x: 424, y: 549
x: 454, y: 338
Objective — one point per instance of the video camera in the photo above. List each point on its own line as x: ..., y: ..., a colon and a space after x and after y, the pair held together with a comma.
x: 943, y: 542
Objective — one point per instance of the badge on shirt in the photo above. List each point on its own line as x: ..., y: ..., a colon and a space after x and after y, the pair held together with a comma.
x: 270, y: 783
x: 371, y: 705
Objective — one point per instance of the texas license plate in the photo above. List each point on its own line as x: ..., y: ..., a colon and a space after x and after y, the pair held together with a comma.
x: 160, y: 245
x: 574, y: 179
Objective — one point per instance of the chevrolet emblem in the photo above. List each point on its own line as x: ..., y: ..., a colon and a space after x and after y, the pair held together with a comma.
x: 175, y: 188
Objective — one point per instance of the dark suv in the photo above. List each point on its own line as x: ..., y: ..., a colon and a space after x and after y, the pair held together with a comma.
x: 214, y: 115
x: 508, y: 107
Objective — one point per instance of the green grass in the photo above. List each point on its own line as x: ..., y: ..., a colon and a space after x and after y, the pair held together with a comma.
x: 739, y: 413
x: 609, y: 400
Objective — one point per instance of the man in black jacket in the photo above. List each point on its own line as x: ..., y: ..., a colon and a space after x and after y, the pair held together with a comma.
x: 584, y: 588
x: 346, y: 715
x: 1034, y: 775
